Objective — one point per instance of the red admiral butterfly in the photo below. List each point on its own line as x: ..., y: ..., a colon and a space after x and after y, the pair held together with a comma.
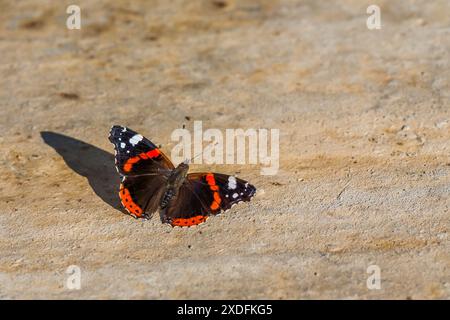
x: 150, y: 182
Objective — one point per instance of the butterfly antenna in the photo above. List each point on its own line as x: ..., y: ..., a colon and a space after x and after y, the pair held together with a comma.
x: 187, y: 161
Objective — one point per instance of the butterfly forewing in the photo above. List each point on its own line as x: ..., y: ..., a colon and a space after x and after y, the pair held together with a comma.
x: 136, y: 155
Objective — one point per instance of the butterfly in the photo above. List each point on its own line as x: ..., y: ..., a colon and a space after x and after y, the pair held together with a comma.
x: 151, y: 183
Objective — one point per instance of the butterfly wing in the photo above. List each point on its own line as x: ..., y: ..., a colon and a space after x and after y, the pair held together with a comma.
x: 135, y: 154
x: 205, y: 194
x: 144, y: 170
x: 140, y: 195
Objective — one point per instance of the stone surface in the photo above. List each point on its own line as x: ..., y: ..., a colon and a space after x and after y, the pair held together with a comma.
x: 364, y: 173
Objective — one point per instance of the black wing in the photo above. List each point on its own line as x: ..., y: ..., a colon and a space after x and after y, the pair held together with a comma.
x: 140, y: 195
x: 144, y: 169
x: 136, y: 155
x: 205, y: 194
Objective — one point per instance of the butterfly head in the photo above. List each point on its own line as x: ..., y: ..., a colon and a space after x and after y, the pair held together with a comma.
x: 183, y: 166
x: 178, y: 175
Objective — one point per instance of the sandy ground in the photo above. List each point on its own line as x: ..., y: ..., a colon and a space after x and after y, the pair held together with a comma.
x: 364, y: 173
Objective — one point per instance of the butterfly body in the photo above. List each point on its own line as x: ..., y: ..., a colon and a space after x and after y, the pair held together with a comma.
x: 151, y: 183
x: 174, y: 183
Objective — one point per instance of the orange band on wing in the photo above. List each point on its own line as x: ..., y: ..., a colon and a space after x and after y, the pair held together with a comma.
x: 153, y: 153
x: 182, y: 222
x: 215, y: 188
x: 129, y: 164
x: 214, y: 206
x: 210, y: 179
x: 128, y: 203
x: 144, y: 156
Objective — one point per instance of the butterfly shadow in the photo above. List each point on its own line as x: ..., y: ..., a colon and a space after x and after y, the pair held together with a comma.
x: 90, y: 162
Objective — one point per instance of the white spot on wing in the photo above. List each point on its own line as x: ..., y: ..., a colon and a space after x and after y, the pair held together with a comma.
x: 231, y: 182
x: 136, y: 139
x: 122, y: 145
x: 235, y: 195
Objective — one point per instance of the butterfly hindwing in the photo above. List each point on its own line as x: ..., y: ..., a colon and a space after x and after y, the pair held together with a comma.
x: 140, y: 195
x: 186, y: 209
x: 205, y: 194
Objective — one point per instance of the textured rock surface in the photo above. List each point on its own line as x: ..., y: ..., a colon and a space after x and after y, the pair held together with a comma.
x: 364, y: 171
